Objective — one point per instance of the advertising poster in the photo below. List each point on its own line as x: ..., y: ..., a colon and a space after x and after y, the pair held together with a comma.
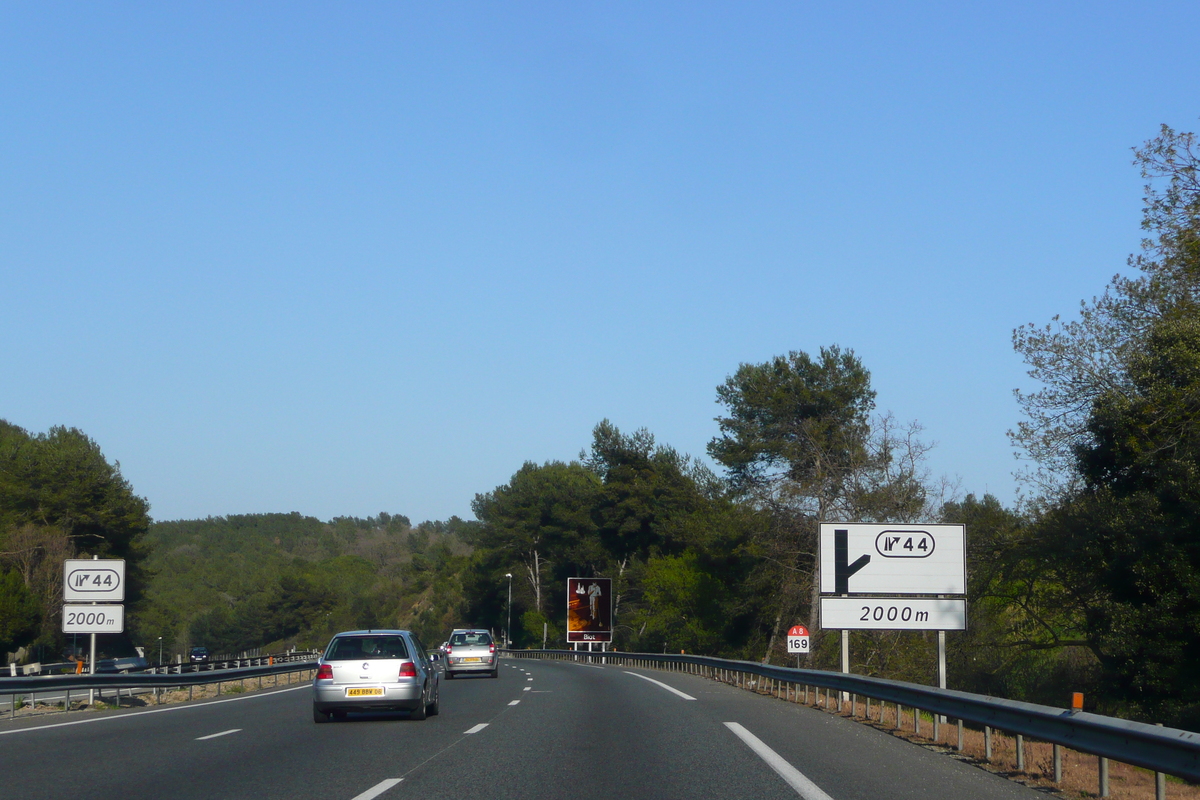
x: 589, y: 609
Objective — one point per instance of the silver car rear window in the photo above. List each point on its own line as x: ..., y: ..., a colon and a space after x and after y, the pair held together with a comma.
x: 355, y: 648
x: 468, y: 639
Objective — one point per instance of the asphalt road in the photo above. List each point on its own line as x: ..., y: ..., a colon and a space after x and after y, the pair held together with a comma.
x: 541, y: 730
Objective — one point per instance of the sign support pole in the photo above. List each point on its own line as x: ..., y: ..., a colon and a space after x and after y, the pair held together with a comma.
x: 845, y: 658
x: 92, y: 662
x: 942, y: 665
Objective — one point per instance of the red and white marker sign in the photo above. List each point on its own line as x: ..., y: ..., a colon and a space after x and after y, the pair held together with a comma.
x: 797, y: 639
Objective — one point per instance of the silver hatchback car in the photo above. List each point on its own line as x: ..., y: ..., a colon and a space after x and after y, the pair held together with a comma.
x: 471, y: 650
x: 375, y: 671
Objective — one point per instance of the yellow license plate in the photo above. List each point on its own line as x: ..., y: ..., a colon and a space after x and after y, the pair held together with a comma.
x: 465, y: 660
x: 371, y: 691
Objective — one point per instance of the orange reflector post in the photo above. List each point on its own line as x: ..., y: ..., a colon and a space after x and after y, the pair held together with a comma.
x: 1077, y: 701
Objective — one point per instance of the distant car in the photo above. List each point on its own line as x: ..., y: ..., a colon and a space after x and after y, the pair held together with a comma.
x: 471, y: 650
x: 107, y: 666
x: 375, y: 671
x: 198, y: 655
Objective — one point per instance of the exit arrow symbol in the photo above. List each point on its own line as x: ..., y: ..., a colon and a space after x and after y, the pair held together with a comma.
x: 842, y: 569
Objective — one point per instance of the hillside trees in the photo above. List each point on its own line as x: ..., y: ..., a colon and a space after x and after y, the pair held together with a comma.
x: 640, y: 513
x: 59, y: 496
x: 1113, y: 433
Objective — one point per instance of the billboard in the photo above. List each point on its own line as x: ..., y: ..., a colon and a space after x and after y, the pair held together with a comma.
x: 589, y: 609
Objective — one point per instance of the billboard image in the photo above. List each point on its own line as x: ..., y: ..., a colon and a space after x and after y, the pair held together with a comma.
x: 589, y: 609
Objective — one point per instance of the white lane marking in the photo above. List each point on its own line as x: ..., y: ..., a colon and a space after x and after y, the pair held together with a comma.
x: 529, y: 679
x: 215, y: 735
x: 477, y: 728
x: 527, y: 688
x: 305, y: 686
x: 377, y: 789
x: 792, y: 776
x: 670, y: 689
x: 514, y: 702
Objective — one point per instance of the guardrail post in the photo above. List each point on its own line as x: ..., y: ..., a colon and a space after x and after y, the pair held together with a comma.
x: 917, y: 721
x: 987, y: 743
x: 1103, y: 776
x: 937, y: 728
x: 898, y: 724
x: 868, y: 708
x: 853, y: 704
x: 1160, y: 781
x: 1057, y: 763
x: 960, y: 736
x: 1021, y: 753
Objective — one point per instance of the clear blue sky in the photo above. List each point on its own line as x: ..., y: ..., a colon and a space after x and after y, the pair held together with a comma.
x: 347, y: 258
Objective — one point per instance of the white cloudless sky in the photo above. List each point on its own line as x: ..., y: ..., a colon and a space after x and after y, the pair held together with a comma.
x: 351, y: 258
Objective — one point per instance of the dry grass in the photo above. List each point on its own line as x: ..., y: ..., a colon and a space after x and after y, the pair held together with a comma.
x: 1080, y: 771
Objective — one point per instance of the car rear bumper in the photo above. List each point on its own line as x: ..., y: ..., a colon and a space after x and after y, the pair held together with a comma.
x: 332, y: 697
x: 470, y: 666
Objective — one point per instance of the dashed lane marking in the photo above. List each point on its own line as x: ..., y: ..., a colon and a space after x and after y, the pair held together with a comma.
x: 670, y: 689
x: 792, y: 776
x: 514, y: 702
x: 477, y: 728
x: 215, y: 735
x: 527, y: 688
x: 378, y: 789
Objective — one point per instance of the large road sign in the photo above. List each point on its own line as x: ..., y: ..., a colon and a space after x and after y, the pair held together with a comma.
x: 858, y: 558
x: 94, y: 581
x: 589, y: 609
x: 894, y: 613
x: 93, y: 619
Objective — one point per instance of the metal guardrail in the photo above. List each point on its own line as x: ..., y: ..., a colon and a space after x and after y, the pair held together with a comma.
x: 1167, y: 750
x: 161, y: 677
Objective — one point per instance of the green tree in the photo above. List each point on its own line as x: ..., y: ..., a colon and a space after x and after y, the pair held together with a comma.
x: 800, y: 444
x: 1127, y: 542
x: 19, y: 612
x: 527, y: 527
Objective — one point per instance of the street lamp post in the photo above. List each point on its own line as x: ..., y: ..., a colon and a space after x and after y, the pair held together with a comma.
x: 160, y: 651
x: 508, y: 635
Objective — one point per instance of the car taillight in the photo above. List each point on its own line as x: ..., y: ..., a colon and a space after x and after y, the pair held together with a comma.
x: 325, y: 673
x: 408, y: 670
x: 492, y: 647
x: 448, y: 649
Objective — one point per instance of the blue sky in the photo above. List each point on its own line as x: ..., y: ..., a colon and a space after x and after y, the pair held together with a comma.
x: 348, y: 258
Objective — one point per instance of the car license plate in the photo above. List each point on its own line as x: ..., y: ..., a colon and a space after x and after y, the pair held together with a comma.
x: 365, y: 691
x: 475, y: 660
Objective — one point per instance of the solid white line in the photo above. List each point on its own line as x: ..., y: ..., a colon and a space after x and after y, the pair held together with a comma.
x: 378, y: 789
x: 670, y: 689
x: 514, y: 702
x: 794, y: 777
x: 215, y: 735
x: 163, y: 710
x: 477, y: 728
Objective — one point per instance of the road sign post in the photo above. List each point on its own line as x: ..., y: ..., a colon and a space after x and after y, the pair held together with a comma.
x: 872, y: 576
x: 93, y: 581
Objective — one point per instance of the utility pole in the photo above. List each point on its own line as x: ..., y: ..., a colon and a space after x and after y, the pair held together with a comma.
x: 508, y: 630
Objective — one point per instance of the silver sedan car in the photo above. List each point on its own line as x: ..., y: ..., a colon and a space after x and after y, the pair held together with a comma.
x: 374, y: 671
x: 471, y: 650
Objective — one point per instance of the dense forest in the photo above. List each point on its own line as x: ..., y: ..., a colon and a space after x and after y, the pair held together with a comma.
x: 1091, y: 582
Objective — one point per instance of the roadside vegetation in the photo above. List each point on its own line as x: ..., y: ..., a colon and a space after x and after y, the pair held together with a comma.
x: 1091, y: 582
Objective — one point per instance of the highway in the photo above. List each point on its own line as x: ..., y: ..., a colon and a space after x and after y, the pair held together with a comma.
x: 543, y: 729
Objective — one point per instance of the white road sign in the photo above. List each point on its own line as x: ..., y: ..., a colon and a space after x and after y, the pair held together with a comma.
x: 893, y: 613
x: 93, y: 619
x: 858, y: 558
x: 94, y: 581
